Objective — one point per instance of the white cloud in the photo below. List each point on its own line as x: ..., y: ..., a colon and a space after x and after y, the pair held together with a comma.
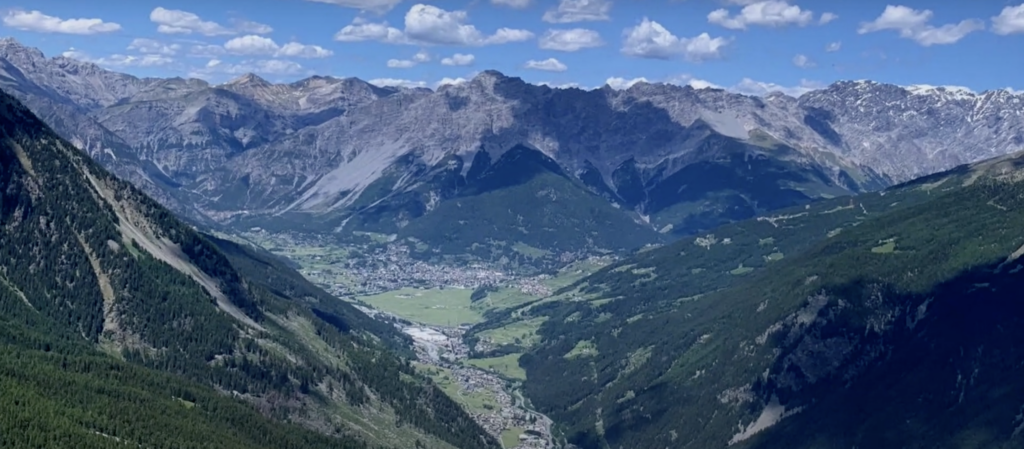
x: 395, y: 82
x: 42, y: 23
x: 429, y: 25
x: 251, y: 45
x: 434, y: 25
x: 264, y: 67
x: 206, y: 51
x: 174, y: 21
x: 419, y: 57
x: 651, y: 40
x: 827, y: 17
x: 150, y: 46
x: 622, y: 83
x: 118, y: 60
x: 561, y: 85
x: 833, y: 46
x: 569, y: 11
x: 458, y: 59
x: 547, y: 65
x: 259, y: 45
x: 379, y: 6
x: 913, y: 24
x: 517, y: 4
x: 450, y: 82
x: 297, y: 50
x: 398, y: 82
x: 1009, y: 21
x: 360, y: 30
x: 803, y: 62
x: 400, y: 63
x: 748, y: 86
x: 246, y: 26
x: 689, y: 80
x: 570, y: 40
x: 774, y: 13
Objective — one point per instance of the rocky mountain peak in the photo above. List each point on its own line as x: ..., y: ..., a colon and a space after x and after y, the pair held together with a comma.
x: 249, y: 79
x: 10, y: 46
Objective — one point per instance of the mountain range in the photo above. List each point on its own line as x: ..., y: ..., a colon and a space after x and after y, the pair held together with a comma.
x: 655, y: 160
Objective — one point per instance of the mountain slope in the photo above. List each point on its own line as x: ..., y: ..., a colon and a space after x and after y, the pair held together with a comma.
x: 882, y: 320
x: 93, y: 261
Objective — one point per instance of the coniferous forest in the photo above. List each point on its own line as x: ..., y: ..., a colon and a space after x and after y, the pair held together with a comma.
x: 121, y: 324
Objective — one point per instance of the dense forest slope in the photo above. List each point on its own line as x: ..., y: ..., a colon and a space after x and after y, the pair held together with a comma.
x: 108, y: 303
x: 890, y: 319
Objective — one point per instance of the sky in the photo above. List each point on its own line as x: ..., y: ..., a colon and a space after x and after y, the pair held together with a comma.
x: 748, y: 46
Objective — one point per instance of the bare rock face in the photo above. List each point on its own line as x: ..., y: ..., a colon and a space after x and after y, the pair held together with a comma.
x: 314, y: 146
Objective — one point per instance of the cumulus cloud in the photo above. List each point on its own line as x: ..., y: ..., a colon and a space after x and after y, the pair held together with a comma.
x: 263, y: 67
x: 396, y: 82
x: 150, y: 46
x: 1009, y: 21
x: 119, y: 60
x: 833, y: 46
x: 42, y: 23
x: 547, y: 65
x: 360, y: 30
x: 570, y: 40
x: 561, y: 85
x: 774, y: 13
x: 297, y: 50
x: 803, y: 62
x: 689, y: 80
x: 458, y: 59
x: 517, y: 4
x: 420, y: 57
x: 250, y: 27
x: 378, y: 6
x: 259, y: 45
x: 206, y: 51
x: 175, y: 21
x: 748, y: 86
x: 913, y: 24
x: 569, y: 11
x: 450, y: 82
x: 618, y: 83
x: 400, y: 63
x: 651, y: 40
x: 430, y: 25
x: 827, y: 17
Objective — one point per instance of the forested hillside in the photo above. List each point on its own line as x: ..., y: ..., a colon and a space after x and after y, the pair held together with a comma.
x: 885, y: 320
x: 96, y: 264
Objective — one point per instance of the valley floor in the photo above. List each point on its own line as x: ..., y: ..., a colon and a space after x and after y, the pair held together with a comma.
x: 434, y: 306
x: 493, y: 399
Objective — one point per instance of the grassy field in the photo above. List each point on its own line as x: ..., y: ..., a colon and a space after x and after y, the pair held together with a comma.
x: 504, y: 298
x: 448, y: 307
x: 573, y: 273
x: 507, y: 365
x: 480, y: 401
x: 510, y: 437
x: 524, y: 331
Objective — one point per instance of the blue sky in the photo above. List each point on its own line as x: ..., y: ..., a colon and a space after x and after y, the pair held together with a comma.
x: 745, y: 45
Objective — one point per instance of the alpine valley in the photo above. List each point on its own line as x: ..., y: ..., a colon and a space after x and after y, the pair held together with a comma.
x: 494, y: 264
